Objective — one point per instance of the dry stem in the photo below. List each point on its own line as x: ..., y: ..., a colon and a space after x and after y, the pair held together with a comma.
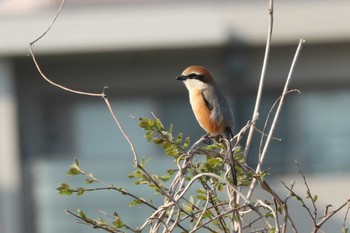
x: 262, y: 78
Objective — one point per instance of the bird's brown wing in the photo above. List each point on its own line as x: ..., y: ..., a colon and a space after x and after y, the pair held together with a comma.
x: 207, y: 104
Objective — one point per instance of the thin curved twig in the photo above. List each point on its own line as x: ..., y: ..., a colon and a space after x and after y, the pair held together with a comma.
x: 31, y: 50
x: 263, y: 132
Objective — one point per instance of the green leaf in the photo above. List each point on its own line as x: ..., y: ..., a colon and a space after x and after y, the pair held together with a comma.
x: 137, y: 202
x: 238, y: 155
x: 136, y: 174
x: 202, y: 197
x: 64, y: 189
x: 158, y: 125
x: 149, y: 135
x: 272, y: 230
x: 191, y: 199
x: 179, y: 138
x: 74, y: 168
x: 314, y: 199
x: 165, y: 178
x: 213, y: 146
x: 144, y: 123
x: 207, y: 214
x: 262, y: 175
x: 214, y: 162
x: 81, y: 213
x: 89, y: 181
x: 75, y: 162
x: 220, y: 187
x: 141, y: 182
x: 171, y: 150
x: 187, y: 207
x: 81, y: 191
x: 171, y: 171
x: 298, y: 198
x: 73, y: 171
x: 118, y: 223
x: 158, y: 141
x: 101, y: 220
x: 186, y: 143
x: 145, y: 162
x: 217, y: 224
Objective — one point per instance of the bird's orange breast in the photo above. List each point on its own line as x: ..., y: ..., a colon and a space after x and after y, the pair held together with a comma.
x: 202, y: 114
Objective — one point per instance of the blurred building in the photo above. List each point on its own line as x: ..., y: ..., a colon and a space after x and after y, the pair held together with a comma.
x: 137, y: 48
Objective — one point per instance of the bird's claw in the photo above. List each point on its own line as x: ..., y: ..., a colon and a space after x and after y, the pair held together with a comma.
x: 207, y: 139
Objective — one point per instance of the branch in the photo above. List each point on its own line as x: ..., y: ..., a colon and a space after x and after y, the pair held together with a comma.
x: 203, y: 212
x: 308, y: 192
x: 118, y: 189
x: 136, y: 161
x: 31, y: 50
x: 330, y: 214
x: 300, y: 199
x: 262, y: 78
x: 345, y: 217
x: 263, y: 132
x: 278, y: 110
x: 246, y: 200
x: 94, y: 223
x: 102, y: 95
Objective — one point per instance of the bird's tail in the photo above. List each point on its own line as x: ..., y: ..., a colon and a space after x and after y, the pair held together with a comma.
x: 228, y: 136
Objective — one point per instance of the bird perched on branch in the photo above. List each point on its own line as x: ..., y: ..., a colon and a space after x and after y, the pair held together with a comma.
x: 209, y: 106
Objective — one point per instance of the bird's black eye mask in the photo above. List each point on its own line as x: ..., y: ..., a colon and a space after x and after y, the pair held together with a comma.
x: 191, y: 76
x: 196, y: 76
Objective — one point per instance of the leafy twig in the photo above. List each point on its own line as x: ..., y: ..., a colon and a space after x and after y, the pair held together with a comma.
x: 313, y: 199
x: 96, y: 224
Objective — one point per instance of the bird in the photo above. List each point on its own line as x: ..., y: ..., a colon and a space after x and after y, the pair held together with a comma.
x: 209, y: 106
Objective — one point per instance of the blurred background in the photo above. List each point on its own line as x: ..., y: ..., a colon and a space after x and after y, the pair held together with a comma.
x: 137, y: 48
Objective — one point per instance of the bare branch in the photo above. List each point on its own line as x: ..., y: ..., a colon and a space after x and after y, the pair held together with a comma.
x: 218, y: 216
x: 136, y: 162
x: 203, y: 212
x: 262, y: 79
x: 31, y: 50
x: 263, y: 133
x: 278, y: 110
x: 330, y: 214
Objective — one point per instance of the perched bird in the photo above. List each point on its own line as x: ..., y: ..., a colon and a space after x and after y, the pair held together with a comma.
x: 209, y: 106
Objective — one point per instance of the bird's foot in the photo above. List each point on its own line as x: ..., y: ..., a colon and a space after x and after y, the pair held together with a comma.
x: 207, y: 139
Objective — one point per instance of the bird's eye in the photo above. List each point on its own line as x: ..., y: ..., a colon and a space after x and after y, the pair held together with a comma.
x: 192, y: 75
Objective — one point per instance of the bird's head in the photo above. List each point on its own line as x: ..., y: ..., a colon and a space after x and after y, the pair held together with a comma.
x: 196, y: 77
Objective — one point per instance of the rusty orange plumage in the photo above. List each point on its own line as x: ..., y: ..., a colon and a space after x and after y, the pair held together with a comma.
x: 202, y: 114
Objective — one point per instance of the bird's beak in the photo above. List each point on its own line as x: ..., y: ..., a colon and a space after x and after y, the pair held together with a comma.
x: 181, y: 78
